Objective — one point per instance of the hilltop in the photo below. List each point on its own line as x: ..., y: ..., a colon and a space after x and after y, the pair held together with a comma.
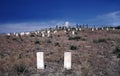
x: 94, y: 53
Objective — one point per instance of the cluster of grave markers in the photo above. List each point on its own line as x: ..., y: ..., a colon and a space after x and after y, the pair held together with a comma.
x: 67, y: 60
x: 47, y: 32
x: 64, y: 28
x: 43, y: 33
x: 67, y: 55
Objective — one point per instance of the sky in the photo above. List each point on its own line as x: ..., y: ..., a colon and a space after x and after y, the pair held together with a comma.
x: 29, y: 15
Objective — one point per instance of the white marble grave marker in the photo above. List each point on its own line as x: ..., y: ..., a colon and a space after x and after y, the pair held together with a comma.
x: 102, y: 28
x: 73, y: 32
x: 113, y: 28
x: 92, y: 29
x: 107, y: 29
x: 69, y: 29
x: 43, y: 35
x: 96, y: 28
x: 65, y: 31
x: 80, y: 29
x: 16, y: 34
x: 22, y: 33
x: 27, y: 33
x: 55, y: 31
x: 48, y: 32
x: 36, y: 33
x: 8, y: 34
x: 76, y: 29
x: 40, y: 60
x: 67, y: 60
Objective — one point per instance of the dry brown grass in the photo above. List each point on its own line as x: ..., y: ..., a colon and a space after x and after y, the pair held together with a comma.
x: 89, y: 59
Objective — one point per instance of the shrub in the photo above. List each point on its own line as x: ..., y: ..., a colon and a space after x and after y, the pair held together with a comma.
x: 15, y: 39
x: 58, y: 35
x: 76, y: 33
x: 68, y: 72
x: 74, y: 38
x: 20, y: 69
x: 99, y: 40
x: 51, y: 36
x: 32, y: 35
x: 7, y: 37
x: 83, y: 39
x: 77, y: 38
x: 72, y: 47
x: 117, y: 51
x: 57, y: 44
x: 49, y: 41
x: 37, y: 42
x: 67, y: 33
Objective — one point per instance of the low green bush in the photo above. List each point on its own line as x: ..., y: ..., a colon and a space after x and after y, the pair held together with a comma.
x: 116, y: 51
x: 74, y: 38
x: 20, y: 68
x: 77, y: 38
x: 48, y: 41
x: 73, y: 47
x: 99, y: 40
x: 37, y: 42
x: 57, y: 44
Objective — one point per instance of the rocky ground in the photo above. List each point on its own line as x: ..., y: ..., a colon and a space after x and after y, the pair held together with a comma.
x: 94, y: 53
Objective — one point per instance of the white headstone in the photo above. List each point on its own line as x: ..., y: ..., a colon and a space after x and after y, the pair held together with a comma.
x: 76, y: 29
x: 48, y: 32
x: 73, y: 32
x: 43, y: 35
x: 65, y: 31
x: 96, y: 28
x: 69, y: 29
x: 80, y: 29
x: 113, y: 28
x: 40, y: 60
x: 92, y: 29
x: 102, y: 28
x: 107, y: 29
x: 8, y: 34
x: 16, y: 34
x: 67, y: 60
x: 55, y: 31
x: 22, y: 33
x: 27, y: 33
x: 36, y: 33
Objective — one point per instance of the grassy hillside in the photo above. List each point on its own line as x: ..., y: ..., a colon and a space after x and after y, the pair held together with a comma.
x: 94, y: 53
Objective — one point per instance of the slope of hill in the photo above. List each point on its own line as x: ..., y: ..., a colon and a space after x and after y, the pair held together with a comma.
x: 94, y: 53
